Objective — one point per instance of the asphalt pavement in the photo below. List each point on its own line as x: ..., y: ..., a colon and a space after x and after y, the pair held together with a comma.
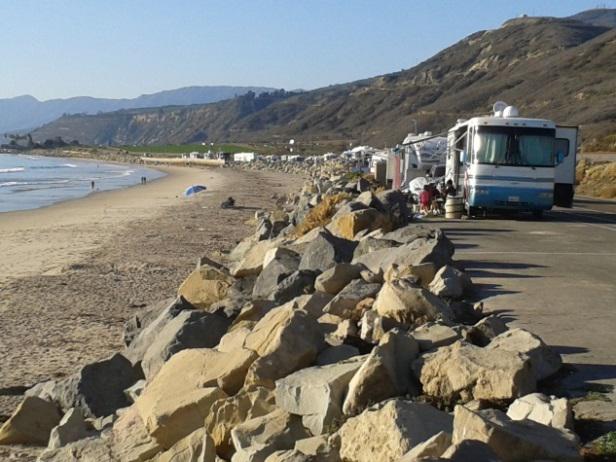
x: 554, y: 276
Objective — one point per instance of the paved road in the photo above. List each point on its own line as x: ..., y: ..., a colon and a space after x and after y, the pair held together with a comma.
x: 555, y: 276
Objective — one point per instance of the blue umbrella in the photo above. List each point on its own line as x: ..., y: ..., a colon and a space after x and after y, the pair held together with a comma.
x: 194, y: 189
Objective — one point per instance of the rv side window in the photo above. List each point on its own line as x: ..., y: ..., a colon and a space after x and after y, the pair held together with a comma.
x: 561, y: 149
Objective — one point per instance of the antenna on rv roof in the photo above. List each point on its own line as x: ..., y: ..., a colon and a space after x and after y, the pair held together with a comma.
x: 498, y: 108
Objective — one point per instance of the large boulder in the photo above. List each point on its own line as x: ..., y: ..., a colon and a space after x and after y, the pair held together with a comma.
x: 31, y: 423
x: 434, y: 446
x: 278, y: 264
x: 316, y: 393
x: 486, y: 329
x: 196, y: 447
x: 227, y: 413
x: 462, y: 372
x: 450, y: 282
x: 470, y: 450
x: 543, y: 360
x: 179, y: 397
x: 434, y: 335
x: 285, y: 339
x: 337, y: 277
x: 325, y: 250
x: 298, y: 283
x: 204, y: 286
x: 251, y: 262
x: 98, y: 388
x: 386, y: 373
x: 347, y: 225
x: 436, y: 249
x: 514, y: 441
x: 189, y: 329
x: 405, y: 302
x: 547, y: 410
x: 258, y: 438
x: 130, y: 440
x: 393, y: 203
x: 344, y: 304
x: 386, y: 431
x: 145, y: 330
x: 144, y: 317
x: 72, y: 427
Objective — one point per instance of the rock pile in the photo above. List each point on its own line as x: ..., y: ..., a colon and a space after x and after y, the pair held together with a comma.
x: 351, y: 341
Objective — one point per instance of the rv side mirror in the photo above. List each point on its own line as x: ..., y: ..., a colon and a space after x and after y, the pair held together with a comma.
x: 559, y: 158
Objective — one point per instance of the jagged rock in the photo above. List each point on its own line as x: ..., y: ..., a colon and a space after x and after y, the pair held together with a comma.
x: 373, y: 326
x: 130, y: 440
x: 133, y: 392
x: 424, y: 273
x: 486, y: 329
x: 92, y: 449
x: 31, y: 423
x: 316, y: 393
x: 436, y: 249
x: 72, y: 427
x: 547, y: 410
x: 258, y: 438
x: 347, y: 225
x: 142, y: 339
x: 324, y: 251
x: 289, y: 456
x: 434, y: 335
x: 371, y: 277
x: 450, y: 282
x: 468, y: 450
x: 286, y: 339
x: 227, y: 413
x: 312, y: 303
x: 196, y: 447
x: 251, y: 263
x: 543, y: 360
x: 388, y: 430
x: 370, y: 244
x: 278, y: 263
x: 345, y: 303
x: 336, y: 354
x: 432, y: 447
x: 394, y: 203
x: 179, y: 397
x: 514, y: 441
x: 189, y: 329
x: 405, y: 302
x: 136, y: 323
x: 461, y: 372
x: 386, y: 373
x: 204, y: 286
x: 98, y: 388
x: 297, y: 283
x: 233, y: 339
x: 337, y: 277
x: 319, y: 448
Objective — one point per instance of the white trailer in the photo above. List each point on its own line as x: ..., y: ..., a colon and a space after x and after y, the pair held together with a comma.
x: 421, y: 153
x: 244, y: 157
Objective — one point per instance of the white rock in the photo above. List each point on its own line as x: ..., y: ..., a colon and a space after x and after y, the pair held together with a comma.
x: 547, y: 410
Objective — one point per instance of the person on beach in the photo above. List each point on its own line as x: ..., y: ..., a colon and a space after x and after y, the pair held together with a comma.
x: 425, y: 199
x: 92, y: 184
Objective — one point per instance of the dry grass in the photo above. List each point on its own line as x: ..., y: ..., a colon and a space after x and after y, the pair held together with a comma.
x: 322, y: 214
x: 598, y: 180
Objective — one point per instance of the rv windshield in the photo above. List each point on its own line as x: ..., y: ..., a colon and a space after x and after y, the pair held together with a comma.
x: 514, y: 146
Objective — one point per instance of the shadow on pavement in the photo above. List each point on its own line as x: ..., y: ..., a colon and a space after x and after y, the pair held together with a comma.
x: 580, y: 216
x: 470, y: 265
x: 474, y: 232
x: 506, y: 315
x: 483, y: 291
x: 477, y: 274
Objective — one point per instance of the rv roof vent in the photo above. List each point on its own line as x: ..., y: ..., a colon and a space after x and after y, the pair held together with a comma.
x: 498, y: 108
x: 511, y: 111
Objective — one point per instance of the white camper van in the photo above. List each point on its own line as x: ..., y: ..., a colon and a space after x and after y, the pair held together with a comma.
x: 421, y: 153
x: 508, y: 162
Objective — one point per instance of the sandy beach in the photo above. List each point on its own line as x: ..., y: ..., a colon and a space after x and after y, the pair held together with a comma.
x: 72, y: 273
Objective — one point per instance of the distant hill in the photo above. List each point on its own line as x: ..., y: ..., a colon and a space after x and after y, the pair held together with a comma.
x: 558, y: 68
x: 597, y: 17
x: 27, y: 112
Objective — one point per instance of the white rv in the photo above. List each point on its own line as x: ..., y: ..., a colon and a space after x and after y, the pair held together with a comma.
x: 244, y: 157
x: 508, y: 162
x: 421, y: 153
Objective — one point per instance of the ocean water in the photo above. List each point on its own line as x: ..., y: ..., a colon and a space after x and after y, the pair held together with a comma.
x: 29, y: 182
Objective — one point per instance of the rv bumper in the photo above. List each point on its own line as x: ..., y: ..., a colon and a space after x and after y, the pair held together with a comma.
x: 499, y: 197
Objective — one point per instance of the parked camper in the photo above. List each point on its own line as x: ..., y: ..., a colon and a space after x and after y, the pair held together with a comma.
x: 244, y: 157
x: 421, y: 153
x: 507, y: 162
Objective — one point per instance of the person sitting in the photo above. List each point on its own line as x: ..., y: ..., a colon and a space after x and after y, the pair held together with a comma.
x: 229, y: 203
x: 435, y: 200
x: 425, y: 199
x: 449, y: 189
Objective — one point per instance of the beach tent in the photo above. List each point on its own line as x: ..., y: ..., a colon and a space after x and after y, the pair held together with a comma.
x: 194, y: 189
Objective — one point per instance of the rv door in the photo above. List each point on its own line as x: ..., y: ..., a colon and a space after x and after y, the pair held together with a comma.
x: 565, y: 154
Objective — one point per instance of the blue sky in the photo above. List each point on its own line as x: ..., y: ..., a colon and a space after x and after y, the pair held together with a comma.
x: 123, y: 48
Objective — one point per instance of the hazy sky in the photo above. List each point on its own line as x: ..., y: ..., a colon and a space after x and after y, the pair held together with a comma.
x: 123, y: 48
